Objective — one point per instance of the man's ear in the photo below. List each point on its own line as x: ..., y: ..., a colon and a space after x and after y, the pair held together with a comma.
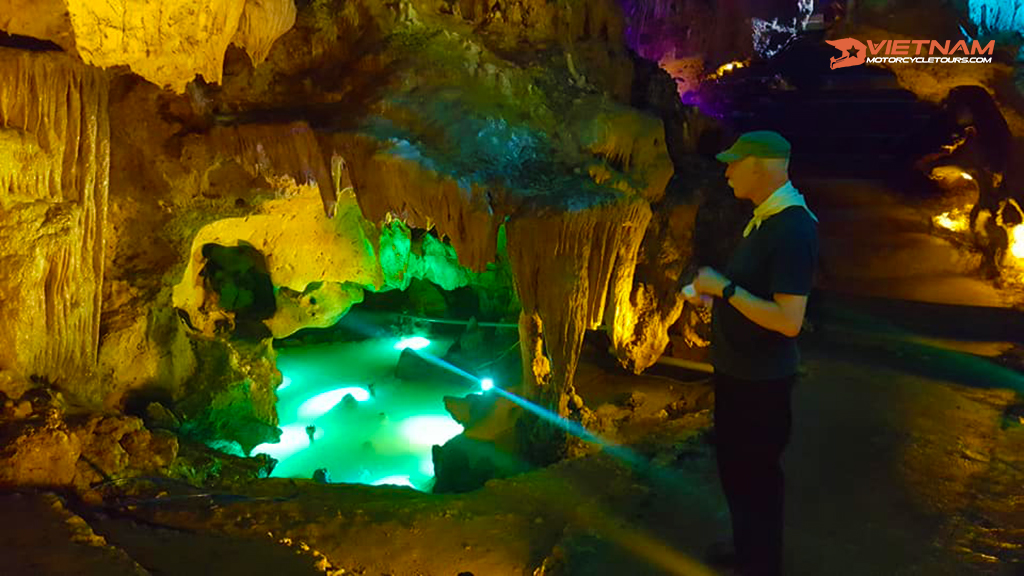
x: 756, y: 168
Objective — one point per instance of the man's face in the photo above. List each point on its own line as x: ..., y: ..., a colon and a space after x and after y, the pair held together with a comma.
x: 742, y: 174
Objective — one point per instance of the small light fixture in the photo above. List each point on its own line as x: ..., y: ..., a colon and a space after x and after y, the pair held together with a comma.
x: 486, y: 384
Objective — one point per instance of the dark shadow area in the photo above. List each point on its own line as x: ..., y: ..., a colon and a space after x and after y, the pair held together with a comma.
x: 854, y: 122
x: 925, y: 361
x: 892, y: 333
x: 983, y: 323
x: 137, y: 401
x: 239, y: 277
x: 27, y: 43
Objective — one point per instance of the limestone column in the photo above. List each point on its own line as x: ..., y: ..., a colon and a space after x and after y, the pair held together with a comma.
x: 54, y: 177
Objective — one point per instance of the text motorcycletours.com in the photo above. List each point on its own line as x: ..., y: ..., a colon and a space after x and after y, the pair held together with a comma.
x: 929, y: 60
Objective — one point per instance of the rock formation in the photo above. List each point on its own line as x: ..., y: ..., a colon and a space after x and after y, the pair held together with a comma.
x: 182, y: 183
x: 54, y: 175
x: 310, y: 161
x: 453, y: 135
x: 166, y: 42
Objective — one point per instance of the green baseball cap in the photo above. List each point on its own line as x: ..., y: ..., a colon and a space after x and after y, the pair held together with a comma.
x: 762, y: 144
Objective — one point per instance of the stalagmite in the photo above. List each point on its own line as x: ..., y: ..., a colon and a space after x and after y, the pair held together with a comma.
x: 54, y: 176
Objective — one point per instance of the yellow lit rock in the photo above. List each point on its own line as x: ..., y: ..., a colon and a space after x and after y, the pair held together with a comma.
x: 54, y: 174
x: 42, y: 19
x: 134, y: 358
x: 301, y: 246
x: 631, y: 142
x: 263, y: 22
x: 42, y: 456
x: 167, y: 42
x: 320, y: 308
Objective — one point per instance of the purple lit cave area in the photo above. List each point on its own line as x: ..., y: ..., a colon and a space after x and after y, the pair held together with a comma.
x: 512, y: 287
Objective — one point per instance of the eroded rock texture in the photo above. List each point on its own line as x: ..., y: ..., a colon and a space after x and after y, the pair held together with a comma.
x: 168, y: 42
x: 54, y: 175
x: 565, y: 293
x: 46, y: 446
x: 273, y: 195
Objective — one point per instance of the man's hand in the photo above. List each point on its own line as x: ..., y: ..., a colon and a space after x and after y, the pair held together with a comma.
x: 693, y: 297
x: 709, y: 281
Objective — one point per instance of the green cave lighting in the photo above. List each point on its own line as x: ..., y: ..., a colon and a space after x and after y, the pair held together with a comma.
x: 395, y: 480
x: 429, y: 429
x: 414, y: 342
x: 342, y: 409
x: 486, y: 384
x: 322, y: 403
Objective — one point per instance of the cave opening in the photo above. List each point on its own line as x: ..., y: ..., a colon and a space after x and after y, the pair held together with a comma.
x: 238, y: 276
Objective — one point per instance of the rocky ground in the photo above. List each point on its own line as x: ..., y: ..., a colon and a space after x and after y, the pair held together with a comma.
x: 893, y: 469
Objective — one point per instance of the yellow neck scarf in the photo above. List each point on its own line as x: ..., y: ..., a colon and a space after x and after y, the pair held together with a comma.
x: 781, y: 199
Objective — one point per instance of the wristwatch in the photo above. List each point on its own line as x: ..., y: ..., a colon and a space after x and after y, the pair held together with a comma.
x: 728, y: 291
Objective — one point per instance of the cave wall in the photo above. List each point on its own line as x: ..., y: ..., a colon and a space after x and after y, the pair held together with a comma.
x: 452, y: 116
x: 689, y: 39
x: 168, y: 42
x: 55, y: 160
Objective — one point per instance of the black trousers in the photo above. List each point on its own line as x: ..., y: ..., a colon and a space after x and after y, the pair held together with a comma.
x: 752, y: 427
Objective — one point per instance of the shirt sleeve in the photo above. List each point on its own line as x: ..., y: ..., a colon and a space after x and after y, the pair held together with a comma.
x: 794, y: 261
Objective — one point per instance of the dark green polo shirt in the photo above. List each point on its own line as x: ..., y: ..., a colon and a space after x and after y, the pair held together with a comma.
x: 777, y: 258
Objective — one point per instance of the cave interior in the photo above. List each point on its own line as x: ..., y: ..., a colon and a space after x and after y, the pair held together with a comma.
x: 394, y: 287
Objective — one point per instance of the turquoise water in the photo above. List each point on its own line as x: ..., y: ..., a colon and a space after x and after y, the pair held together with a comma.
x: 370, y: 427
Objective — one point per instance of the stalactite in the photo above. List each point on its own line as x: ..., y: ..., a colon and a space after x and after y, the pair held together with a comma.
x: 165, y: 41
x: 594, y: 19
x: 392, y: 186
x: 993, y: 15
x: 563, y: 258
x: 54, y: 177
x: 632, y: 143
x: 276, y: 150
x: 262, y: 23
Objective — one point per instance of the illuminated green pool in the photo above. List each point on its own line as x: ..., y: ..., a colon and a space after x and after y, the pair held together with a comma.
x: 370, y: 427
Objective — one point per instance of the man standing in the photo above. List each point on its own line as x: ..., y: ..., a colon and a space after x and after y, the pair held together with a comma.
x: 758, y: 309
